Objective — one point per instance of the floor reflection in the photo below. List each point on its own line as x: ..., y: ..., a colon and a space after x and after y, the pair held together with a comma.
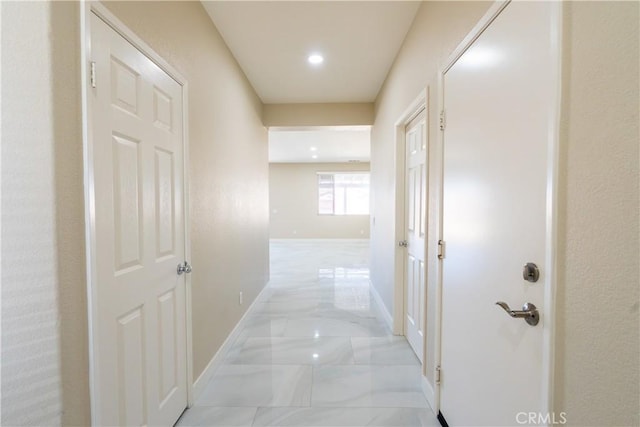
x: 350, y: 287
x: 314, y: 350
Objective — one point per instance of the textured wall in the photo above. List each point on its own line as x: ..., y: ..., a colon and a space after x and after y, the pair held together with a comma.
x: 65, y: 48
x: 31, y: 378
x: 598, y: 359
x: 44, y: 360
x: 437, y: 29
x: 228, y: 167
x: 293, y: 199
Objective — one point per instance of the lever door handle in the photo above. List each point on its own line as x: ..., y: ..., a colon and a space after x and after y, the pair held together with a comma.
x: 403, y: 243
x: 529, y: 312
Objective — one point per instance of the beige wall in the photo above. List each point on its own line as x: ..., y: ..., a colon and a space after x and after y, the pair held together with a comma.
x: 597, y: 346
x: 293, y: 199
x: 341, y: 114
x: 437, y: 29
x: 44, y: 340
x: 228, y: 167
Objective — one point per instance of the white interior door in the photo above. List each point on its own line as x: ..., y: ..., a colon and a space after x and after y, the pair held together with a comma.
x: 499, y: 100
x: 139, y: 332
x: 415, y: 220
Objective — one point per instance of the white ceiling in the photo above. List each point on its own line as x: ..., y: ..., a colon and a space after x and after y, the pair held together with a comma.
x: 334, y: 145
x: 272, y: 39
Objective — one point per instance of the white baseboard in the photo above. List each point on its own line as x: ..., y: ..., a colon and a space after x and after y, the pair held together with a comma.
x: 216, y: 360
x: 383, y: 308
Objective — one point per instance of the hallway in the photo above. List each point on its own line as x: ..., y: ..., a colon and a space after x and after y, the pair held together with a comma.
x: 314, y: 351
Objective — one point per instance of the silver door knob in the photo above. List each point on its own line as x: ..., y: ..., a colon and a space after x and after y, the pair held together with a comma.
x: 185, y: 267
x: 529, y: 312
x: 403, y: 243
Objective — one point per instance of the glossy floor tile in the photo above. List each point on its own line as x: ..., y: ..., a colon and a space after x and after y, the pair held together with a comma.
x: 218, y: 416
x: 258, y: 385
x: 368, y: 386
x: 263, y: 326
x: 314, y: 350
x: 282, y: 351
x: 321, y: 326
x: 389, y: 350
x: 335, y: 417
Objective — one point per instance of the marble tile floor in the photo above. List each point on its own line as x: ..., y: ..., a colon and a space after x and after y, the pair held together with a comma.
x: 314, y: 351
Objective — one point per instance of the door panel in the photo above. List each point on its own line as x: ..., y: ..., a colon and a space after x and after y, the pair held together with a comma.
x: 140, y: 348
x: 415, y: 286
x: 126, y: 202
x: 165, y: 199
x: 125, y: 86
x: 131, y: 375
x: 499, y: 106
x: 167, y: 347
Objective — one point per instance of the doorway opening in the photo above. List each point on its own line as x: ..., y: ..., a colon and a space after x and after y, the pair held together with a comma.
x: 319, y: 182
x: 412, y: 238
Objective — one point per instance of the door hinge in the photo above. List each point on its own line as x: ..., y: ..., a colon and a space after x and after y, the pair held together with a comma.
x: 441, y: 249
x: 443, y: 122
x: 438, y: 374
x: 92, y: 73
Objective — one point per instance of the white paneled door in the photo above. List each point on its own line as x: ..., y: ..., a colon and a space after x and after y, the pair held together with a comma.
x: 138, y: 322
x: 415, y: 222
x: 499, y: 101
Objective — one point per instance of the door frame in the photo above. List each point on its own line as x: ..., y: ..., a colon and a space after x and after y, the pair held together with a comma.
x: 553, y: 144
x: 399, y: 292
x: 86, y: 9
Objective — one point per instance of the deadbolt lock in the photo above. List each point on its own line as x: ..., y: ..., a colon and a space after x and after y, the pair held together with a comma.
x: 530, y: 272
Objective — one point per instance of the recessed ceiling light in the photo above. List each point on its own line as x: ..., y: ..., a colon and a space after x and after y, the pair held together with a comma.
x: 315, y: 59
x: 315, y: 156
x: 313, y: 148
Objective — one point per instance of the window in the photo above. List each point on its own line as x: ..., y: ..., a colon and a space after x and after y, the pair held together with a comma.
x: 344, y: 193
